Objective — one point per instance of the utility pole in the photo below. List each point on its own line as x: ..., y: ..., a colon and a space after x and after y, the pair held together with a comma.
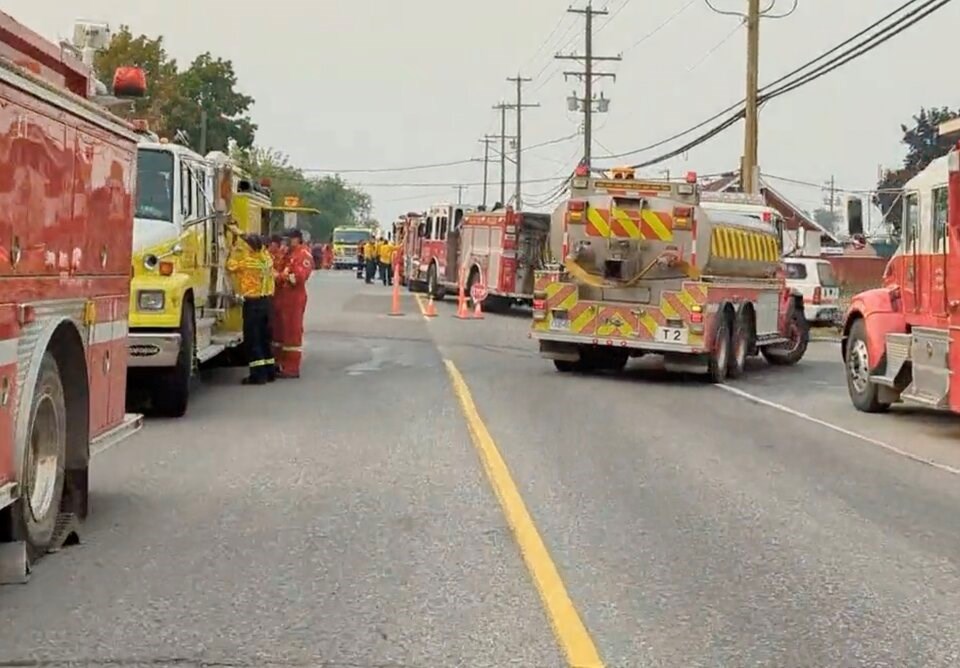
x: 587, y: 76
x: 748, y: 166
x: 503, y: 151
x: 460, y: 193
x: 519, y: 106
x: 203, y: 131
x: 486, y: 141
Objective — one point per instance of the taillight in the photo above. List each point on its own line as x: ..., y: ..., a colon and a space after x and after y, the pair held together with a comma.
x: 682, y: 217
x: 817, y: 295
x: 539, y: 304
x: 766, y: 216
x: 576, y: 205
x: 696, y: 315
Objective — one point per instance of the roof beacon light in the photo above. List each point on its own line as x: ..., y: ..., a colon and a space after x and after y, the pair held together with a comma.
x: 691, y: 177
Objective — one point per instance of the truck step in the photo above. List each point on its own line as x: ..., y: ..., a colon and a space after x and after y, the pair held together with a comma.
x: 66, y: 531
x: 230, y: 340
x: 925, y: 400
x: 886, y: 381
x: 205, y: 324
x: 210, y: 352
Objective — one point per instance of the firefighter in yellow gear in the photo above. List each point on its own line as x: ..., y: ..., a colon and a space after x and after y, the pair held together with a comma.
x: 251, y: 267
x: 370, y: 257
x: 386, y: 262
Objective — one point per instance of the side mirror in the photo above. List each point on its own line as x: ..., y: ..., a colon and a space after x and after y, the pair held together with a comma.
x: 176, y: 250
x: 855, y: 216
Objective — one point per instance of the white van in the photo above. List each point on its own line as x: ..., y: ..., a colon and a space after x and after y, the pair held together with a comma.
x: 813, y: 277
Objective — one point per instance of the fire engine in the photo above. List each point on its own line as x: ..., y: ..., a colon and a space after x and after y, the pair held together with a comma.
x: 66, y: 221
x: 346, y: 242
x: 427, y: 249
x: 901, y: 342
x: 647, y: 269
x: 405, y: 231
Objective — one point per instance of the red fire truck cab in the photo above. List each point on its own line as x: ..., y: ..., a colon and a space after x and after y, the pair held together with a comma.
x: 67, y: 176
x: 901, y: 342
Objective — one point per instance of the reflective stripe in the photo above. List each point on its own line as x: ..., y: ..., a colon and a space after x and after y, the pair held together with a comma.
x: 260, y: 363
x: 271, y: 361
x: 292, y: 349
x: 8, y: 352
x: 105, y: 332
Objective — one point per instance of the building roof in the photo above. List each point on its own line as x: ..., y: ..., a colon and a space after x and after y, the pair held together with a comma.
x: 794, y: 217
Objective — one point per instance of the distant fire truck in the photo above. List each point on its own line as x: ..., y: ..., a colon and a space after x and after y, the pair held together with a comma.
x: 901, y: 342
x: 66, y: 224
x: 646, y: 269
x: 427, y: 248
x: 499, y: 249
x: 405, y: 234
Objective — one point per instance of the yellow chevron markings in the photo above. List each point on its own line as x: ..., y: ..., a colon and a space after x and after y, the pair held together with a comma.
x: 631, y: 227
x: 598, y: 222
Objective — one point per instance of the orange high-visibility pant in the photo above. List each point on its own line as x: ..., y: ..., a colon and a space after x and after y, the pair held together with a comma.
x: 291, y: 343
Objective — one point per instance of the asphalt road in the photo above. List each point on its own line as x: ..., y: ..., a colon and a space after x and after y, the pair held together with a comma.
x: 432, y: 493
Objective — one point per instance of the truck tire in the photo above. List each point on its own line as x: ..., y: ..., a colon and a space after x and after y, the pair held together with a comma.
x: 740, y: 345
x: 790, y: 353
x: 718, y: 365
x: 864, y: 393
x: 433, y: 284
x: 44, y: 458
x: 172, y: 394
x: 565, y: 366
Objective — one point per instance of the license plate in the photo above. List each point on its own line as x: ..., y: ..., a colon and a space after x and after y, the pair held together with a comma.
x: 831, y: 293
x: 559, y: 323
x: 672, y: 335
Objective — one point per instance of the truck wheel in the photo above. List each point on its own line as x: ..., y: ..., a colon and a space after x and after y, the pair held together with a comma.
x: 612, y: 359
x: 864, y: 393
x: 43, y: 461
x: 565, y: 366
x: 433, y: 285
x: 719, y: 364
x: 788, y: 354
x: 742, y: 336
x: 172, y: 395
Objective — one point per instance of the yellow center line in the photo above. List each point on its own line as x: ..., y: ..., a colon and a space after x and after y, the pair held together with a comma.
x: 567, y: 625
x: 421, y: 306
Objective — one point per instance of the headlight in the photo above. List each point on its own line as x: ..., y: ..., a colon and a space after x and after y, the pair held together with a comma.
x: 150, y: 300
x: 150, y: 262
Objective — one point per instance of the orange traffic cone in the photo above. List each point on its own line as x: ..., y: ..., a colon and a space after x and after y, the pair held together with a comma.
x: 395, y: 306
x: 431, y: 310
x: 477, y: 311
x: 462, y: 311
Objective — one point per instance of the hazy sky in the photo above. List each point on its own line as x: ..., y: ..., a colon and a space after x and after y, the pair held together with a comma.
x: 355, y: 84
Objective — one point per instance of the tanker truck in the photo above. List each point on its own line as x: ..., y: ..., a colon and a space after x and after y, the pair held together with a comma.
x: 643, y: 268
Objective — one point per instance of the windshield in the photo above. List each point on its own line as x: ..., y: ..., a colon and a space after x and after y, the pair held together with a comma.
x: 155, y: 185
x: 827, y: 277
x: 350, y: 236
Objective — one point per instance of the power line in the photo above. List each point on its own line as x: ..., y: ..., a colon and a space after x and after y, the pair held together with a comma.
x: 441, y: 184
x: 670, y: 19
x: 374, y: 170
x: 820, y: 71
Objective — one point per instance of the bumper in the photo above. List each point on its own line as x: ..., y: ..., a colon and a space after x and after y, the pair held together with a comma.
x: 154, y: 350
x: 825, y: 313
x: 550, y: 337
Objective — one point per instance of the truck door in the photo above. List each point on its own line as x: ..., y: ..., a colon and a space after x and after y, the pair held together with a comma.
x: 937, y: 276
x: 453, y: 238
x: 908, y: 280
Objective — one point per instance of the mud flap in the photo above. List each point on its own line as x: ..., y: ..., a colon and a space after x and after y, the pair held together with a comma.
x: 14, y: 565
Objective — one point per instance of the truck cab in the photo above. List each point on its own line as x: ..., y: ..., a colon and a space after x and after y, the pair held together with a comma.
x: 901, y: 342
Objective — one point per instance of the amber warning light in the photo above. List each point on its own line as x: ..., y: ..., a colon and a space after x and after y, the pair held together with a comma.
x: 129, y: 82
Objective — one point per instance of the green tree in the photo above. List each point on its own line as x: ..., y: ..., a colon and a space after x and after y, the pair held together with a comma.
x: 924, y: 144
x: 209, y: 85
x: 338, y: 202
x: 160, y: 70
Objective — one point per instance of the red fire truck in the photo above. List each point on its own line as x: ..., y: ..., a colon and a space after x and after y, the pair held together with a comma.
x: 426, y: 249
x: 67, y: 170
x: 499, y: 249
x: 901, y: 342
x: 405, y: 231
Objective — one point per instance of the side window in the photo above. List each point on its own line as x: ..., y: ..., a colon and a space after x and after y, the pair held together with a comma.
x: 185, y: 190
x: 443, y: 228
x: 911, y: 221
x: 201, y: 201
x: 431, y: 232
x: 795, y: 271
x: 940, y: 206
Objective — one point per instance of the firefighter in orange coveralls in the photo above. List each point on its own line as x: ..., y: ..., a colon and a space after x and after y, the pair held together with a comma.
x: 293, y: 278
x: 278, y: 252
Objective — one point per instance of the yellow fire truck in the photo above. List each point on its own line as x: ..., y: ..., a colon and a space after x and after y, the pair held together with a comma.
x: 183, y: 308
x: 645, y: 269
x: 346, y: 240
